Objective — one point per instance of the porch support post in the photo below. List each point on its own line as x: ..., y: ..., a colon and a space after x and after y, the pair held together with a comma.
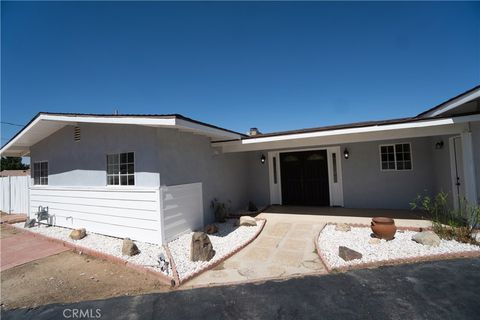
x: 469, y: 169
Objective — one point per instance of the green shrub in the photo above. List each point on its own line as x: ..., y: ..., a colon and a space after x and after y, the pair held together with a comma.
x: 450, y: 223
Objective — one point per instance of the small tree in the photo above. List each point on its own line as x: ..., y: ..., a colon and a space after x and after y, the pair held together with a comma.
x: 13, y: 163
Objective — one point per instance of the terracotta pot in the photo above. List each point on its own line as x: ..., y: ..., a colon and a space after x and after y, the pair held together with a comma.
x: 383, y: 228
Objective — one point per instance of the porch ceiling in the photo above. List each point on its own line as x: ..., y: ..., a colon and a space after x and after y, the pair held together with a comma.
x: 425, y: 128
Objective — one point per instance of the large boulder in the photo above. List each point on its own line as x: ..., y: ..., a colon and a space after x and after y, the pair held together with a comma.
x: 348, y: 254
x: 248, y: 221
x: 129, y: 248
x: 78, y: 234
x: 201, y: 248
x: 427, y: 238
x: 211, y: 229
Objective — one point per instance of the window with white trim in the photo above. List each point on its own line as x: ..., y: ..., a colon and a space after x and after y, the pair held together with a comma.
x: 395, y: 157
x: 40, y: 173
x: 121, y: 169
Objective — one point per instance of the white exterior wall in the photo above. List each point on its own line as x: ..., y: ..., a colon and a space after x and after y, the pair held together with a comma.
x: 14, y: 194
x: 186, y: 158
x: 475, y: 129
x: 83, y: 163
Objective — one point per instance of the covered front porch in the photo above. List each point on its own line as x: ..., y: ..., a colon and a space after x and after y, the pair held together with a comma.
x: 382, y: 166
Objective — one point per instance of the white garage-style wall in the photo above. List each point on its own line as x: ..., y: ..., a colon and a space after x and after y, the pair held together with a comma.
x: 153, y: 215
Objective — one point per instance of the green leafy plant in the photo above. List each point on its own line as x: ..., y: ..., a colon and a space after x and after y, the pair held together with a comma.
x: 220, y: 209
x: 450, y: 223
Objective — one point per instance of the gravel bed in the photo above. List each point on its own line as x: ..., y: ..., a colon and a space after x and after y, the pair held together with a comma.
x: 147, y: 257
x: 228, y: 239
x: 399, y: 248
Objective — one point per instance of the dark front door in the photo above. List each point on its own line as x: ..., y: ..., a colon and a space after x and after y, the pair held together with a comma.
x: 305, y: 178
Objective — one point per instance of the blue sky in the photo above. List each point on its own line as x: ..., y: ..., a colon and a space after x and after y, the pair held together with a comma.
x: 276, y: 66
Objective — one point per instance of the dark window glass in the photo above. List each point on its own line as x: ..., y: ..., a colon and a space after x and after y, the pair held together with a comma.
x: 275, y: 170
x: 121, y: 169
x: 40, y: 173
x: 396, y: 157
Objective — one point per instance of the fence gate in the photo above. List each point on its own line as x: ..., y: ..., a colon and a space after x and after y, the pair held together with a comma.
x: 14, y: 194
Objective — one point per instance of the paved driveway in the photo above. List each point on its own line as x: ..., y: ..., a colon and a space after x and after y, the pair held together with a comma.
x: 432, y: 290
x: 17, y: 247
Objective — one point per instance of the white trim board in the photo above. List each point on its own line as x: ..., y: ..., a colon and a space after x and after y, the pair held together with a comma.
x: 435, y: 127
x: 454, y: 104
x: 46, y: 124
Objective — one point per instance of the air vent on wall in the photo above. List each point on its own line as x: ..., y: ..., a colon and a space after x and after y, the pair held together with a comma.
x: 76, y: 134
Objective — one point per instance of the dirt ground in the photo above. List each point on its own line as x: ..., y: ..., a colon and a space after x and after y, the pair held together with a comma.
x: 8, y: 232
x: 70, y: 277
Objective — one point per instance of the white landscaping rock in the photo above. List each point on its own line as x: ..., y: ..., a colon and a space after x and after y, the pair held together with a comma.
x: 400, y: 247
x: 427, y: 238
x: 228, y: 239
x: 247, y: 221
x: 148, y: 256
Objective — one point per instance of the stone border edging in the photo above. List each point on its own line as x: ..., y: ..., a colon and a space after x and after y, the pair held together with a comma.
x: 228, y: 255
x: 375, y: 264
x: 100, y: 255
x: 176, y: 277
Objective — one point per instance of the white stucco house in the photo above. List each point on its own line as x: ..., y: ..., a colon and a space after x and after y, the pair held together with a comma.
x: 152, y: 177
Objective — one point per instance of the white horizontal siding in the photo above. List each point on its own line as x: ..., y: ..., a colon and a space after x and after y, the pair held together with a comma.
x: 14, y: 194
x: 182, y: 209
x: 119, y: 212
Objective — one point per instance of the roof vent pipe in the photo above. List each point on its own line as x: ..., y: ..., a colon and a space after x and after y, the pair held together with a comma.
x: 254, y: 132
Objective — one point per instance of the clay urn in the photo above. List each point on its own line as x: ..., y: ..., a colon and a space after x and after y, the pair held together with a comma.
x: 383, y: 228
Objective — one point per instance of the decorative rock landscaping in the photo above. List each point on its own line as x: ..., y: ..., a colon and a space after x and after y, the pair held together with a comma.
x: 228, y: 239
x: 149, y: 256
x: 374, y: 250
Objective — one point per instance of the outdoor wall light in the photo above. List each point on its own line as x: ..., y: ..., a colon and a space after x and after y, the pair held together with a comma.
x: 439, y: 145
x: 346, y: 154
x: 262, y: 159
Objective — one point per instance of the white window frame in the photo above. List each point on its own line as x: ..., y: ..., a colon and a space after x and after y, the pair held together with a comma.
x: 395, y: 156
x: 40, y: 177
x: 120, y: 174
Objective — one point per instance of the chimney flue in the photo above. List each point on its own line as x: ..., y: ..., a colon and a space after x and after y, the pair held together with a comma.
x: 254, y: 132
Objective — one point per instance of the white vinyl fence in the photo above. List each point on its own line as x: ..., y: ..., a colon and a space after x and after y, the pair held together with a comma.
x: 14, y: 194
x: 182, y: 209
x: 153, y: 215
x: 120, y: 212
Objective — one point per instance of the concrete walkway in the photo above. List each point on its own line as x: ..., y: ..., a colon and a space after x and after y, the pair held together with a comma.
x: 17, y: 248
x: 285, y: 248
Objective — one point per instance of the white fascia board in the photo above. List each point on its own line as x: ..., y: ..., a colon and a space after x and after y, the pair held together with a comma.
x: 376, y: 128
x: 147, y: 121
x: 205, y: 130
x: 453, y: 104
x: 4, y: 150
x: 360, y: 134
